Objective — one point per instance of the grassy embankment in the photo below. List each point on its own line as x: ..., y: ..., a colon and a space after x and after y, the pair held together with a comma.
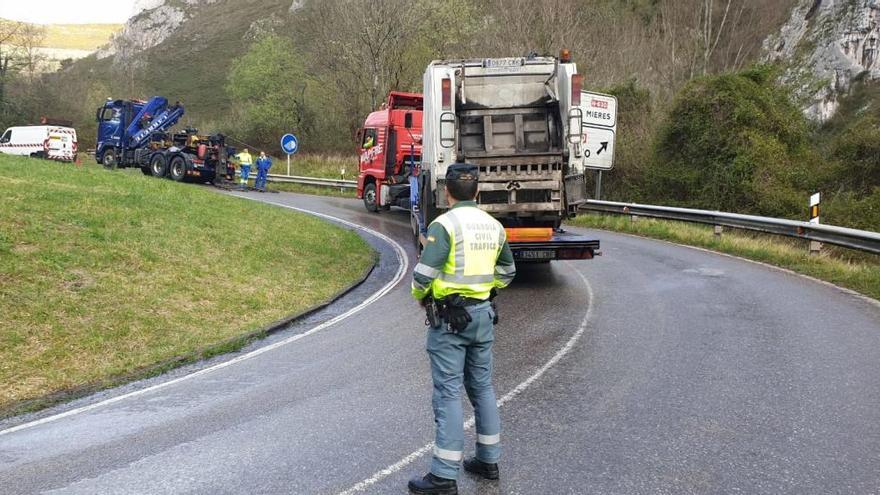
x: 857, y: 271
x: 108, y: 276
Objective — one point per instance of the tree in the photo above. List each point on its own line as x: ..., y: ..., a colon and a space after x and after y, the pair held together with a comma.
x: 268, y: 88
x: 370, y: 48
x: 18, y: 53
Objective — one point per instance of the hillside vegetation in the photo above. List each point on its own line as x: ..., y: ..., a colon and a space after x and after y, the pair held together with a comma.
x: 104, y: 275
x: 700, y: 123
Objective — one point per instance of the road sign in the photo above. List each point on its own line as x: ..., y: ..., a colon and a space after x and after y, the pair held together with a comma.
x: 289, y: 144
x: 599, y: 110
x: 598, y: 147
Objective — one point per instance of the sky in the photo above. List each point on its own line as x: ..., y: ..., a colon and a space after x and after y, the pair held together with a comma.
x: 67, y: 11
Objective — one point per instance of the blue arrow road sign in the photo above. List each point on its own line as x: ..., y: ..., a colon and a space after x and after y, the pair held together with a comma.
x: 289, y: 144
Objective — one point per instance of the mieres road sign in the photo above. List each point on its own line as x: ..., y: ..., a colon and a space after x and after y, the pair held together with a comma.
x: 289, y: 144
x: 598, y: 147
x: 599, y: 110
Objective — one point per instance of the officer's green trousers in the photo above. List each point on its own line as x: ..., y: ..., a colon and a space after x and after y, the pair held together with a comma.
x: 465, y: 359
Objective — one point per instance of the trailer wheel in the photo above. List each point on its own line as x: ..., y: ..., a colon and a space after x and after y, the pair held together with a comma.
x: 371, y: 201
x: 177, y: 168
x: 158, y: 166
x: 109, y: 159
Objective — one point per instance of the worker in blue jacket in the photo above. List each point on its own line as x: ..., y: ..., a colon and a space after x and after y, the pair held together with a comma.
x: 264, y: 163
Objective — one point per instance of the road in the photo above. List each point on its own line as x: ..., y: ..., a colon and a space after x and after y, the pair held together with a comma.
x: 653, y: 369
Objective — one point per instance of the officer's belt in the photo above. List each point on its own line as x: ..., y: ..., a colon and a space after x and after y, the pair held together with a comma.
x: 465, y: 301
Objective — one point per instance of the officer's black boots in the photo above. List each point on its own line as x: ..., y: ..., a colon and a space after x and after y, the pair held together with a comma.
x: 480, y: 468
x: 432, y: 485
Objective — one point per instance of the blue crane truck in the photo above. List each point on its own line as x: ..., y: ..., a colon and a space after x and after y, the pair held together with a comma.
x: 136, y: 133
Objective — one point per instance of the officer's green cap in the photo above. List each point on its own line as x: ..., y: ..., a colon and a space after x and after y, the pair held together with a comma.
x: 462, y: 171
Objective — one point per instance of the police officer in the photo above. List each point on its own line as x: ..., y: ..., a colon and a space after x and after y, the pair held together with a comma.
x: 465, y: 259
x: 245, y: 160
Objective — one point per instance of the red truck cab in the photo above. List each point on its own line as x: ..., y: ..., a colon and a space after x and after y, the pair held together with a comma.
x: 390, y: 147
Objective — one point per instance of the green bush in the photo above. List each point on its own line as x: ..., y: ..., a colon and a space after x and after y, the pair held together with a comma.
x: 849, y: 209
x: 733, y: 142
x: 635, y: 127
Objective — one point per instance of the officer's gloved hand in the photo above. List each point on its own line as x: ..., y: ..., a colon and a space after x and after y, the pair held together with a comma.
x: 458, y: 319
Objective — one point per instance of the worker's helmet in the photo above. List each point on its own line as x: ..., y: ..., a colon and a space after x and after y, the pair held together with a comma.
x: 463, y: 171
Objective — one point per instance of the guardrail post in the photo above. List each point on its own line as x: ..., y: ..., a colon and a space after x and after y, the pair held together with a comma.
x: 815, y: 247
x: 718, y: 230
x: 634, y: 218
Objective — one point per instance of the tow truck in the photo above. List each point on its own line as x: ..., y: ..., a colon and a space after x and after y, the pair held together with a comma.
x: 136, y: 133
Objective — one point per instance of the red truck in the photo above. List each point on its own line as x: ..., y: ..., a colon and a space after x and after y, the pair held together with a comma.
x: 390, y: 147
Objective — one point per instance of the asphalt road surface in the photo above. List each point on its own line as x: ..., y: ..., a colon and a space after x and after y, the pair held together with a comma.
x: 653, y: 369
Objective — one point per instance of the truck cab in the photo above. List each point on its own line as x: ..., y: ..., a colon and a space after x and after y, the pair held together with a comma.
x: 390, y: 149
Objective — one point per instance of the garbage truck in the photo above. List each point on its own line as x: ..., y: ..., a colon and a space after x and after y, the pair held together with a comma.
x: 520, y: 121
x: 137, y: 133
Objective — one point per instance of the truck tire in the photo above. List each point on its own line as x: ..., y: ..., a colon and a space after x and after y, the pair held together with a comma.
x: 177, y: 168
x: 146, y: 170
x: 371, y: 199
x: 109, y: 159
x: 158, y: 166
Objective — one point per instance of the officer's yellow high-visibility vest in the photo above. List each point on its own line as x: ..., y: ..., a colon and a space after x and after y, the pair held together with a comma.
x: 475, y: 241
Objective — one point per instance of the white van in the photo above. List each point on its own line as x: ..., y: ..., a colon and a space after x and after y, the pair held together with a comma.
x: 41, y: 141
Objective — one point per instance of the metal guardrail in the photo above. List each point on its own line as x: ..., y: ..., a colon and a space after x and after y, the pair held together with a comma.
x: 312, y: 181
x: 840, y: 236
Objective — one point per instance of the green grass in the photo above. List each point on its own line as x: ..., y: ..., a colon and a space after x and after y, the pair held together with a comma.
x: 107, y: 274
x: 79, y: 36
x: 857, y: 271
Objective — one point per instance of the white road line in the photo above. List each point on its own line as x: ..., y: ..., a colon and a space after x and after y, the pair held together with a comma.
x: 403, y: 267
x: 509, y: 396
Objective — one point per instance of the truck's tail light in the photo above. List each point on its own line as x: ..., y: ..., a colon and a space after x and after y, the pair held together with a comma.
x: 446, y: 93
x: 577, y: 85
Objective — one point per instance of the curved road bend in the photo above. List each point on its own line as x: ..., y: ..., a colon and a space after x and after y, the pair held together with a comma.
x: 694, y: 373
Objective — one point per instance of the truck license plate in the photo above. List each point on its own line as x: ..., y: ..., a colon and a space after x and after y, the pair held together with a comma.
x: 500, y: 63
x: 537, y: 255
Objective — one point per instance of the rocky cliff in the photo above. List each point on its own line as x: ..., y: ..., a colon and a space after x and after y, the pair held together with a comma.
x: 826, y: 46
x: 152, y: 22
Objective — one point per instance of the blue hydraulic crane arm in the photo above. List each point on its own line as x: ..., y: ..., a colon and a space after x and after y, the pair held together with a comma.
x: 159, y: 117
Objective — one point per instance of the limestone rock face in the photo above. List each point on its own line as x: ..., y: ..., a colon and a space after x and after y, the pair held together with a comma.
x: 152, y: 22
x: 826, y: 45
